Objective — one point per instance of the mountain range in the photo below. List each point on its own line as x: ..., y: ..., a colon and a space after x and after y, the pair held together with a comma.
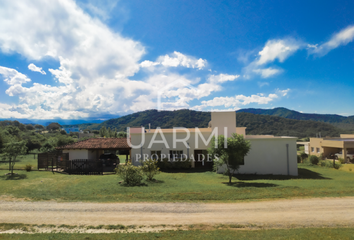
x: 334, y: 119
x: 255, y: 123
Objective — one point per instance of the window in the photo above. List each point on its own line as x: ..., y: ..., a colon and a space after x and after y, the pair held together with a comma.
x: 156, y: 155
x: 176, y: 154
x: 312, y: 149
x: 317, y: 150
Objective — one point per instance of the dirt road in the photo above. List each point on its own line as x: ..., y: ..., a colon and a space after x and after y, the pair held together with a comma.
x: 278, y: 213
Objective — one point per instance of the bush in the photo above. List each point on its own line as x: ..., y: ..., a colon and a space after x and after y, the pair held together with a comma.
x: 298, y: 159
x: 341, y: 160
x: 131, y: 175
x: 28, y: 167
x: 314, y: 160
x: 303, y: 156
x: 329, y: 164
x: 150, y: 168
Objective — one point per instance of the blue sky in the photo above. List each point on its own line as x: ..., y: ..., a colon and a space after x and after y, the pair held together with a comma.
x: 94, y: 59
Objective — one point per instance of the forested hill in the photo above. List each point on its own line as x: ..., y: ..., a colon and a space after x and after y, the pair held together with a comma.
x: 335, y: 120
x: 256, y: 124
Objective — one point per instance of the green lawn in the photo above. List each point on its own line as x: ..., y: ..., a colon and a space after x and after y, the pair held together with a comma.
x: 301, y: 233
x: 313, y: 181
x: 22, y: 161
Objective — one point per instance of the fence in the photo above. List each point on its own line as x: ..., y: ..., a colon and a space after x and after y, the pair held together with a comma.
x: 59, y: 162
x: 53, y: 160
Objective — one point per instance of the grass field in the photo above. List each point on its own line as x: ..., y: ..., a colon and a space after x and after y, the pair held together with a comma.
x: 302, y: 233
x: 313, y: 181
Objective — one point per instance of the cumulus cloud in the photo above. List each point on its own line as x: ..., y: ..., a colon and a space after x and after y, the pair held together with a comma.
x: 97, y: 66
x: 95, y: 62
x: 275, y: 49
x: 34, y: 68
x: 241, y: 100
x: 176, y: 59
x: 180, y: 90
x: 279, y: 49
x: 222, y: 78
x: 343, y: 37
x: 12, y: 76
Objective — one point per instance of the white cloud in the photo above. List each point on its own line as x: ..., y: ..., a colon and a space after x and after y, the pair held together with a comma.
x: 343, y: 37
x: 179, y: 91
x: 95, y: 62
x: 279, y: 49
x: 241, y: 100
x: 267, y: 72
x: 12, y: 76
x: 275, y: 49
x: 222, y: 78
x: 34, y: 68
x: 176, y: 59
x: 97, y: 65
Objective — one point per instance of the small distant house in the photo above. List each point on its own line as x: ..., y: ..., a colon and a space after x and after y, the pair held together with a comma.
x: 328, y: 146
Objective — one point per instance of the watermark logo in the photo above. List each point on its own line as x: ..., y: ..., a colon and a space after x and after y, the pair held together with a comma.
x: 159, y: 137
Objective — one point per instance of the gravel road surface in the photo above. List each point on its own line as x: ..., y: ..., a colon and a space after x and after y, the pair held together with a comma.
x: 292, y: 212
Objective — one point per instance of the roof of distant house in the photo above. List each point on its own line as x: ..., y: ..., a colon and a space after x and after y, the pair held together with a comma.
x: 99, y: 143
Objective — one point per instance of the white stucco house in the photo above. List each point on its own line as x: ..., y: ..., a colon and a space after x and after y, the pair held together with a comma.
x: 268, y: 154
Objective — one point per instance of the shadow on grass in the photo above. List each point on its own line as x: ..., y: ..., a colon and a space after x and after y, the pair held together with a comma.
x: 245, y: 184
x: 14, y: 177
x: 140, y: 185
x: 302, y: 174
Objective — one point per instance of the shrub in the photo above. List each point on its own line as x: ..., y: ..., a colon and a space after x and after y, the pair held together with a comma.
x: 28, y: 167
x: 150, y: 168
x: 298, y: 159
x: 341, y: 160
x: 329, y: 164
x: 131, y: 175
x: 303, y: 156
x: 314, y: 160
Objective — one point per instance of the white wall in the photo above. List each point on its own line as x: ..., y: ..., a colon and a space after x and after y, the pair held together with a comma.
x: 269, y: 156
x: 77, y: 153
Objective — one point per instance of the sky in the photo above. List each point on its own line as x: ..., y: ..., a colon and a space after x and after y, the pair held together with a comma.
x: 100, y: 59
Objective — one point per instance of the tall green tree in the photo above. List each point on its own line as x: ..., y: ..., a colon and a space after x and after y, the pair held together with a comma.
x: 38, y: 127
x: 11, y: 152
x: 231, y: 155
x: 103, y: 131
x: 53, y: 126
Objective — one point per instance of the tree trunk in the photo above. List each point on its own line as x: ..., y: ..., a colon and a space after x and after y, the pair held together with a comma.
x: 230, y: 177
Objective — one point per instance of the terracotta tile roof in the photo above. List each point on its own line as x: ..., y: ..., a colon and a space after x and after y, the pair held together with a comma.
x: 99, y: 143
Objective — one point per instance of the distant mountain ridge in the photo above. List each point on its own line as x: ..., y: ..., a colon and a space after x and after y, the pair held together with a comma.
x: 256, y: 124
x: 334, y: 119
x: 46, y: 122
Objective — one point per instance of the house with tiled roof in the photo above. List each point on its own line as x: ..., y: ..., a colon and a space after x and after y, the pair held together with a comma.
x: 93, y: 148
